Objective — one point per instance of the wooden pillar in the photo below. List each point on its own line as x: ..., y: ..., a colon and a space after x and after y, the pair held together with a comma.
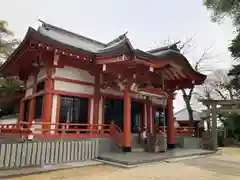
x: 47, y: 99
x: 214, y: 127
x: 127, y: 121
x: 21, y: 111
x: 96, y: 99
x: 31, y: 109
x: 170, y: 123
x: 149, y: 116
x: 145, y: 116
x: 31, y: 114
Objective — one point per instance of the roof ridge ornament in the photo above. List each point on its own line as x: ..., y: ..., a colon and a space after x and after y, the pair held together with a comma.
x: 117, y: 39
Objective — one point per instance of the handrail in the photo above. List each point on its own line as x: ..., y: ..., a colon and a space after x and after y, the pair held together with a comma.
x: 180, y: 131
x: 117, y: 134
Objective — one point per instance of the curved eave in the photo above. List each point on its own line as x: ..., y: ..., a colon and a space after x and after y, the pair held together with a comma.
x: 122, y: 47
x: 16, y: 52
x: 34, y: 35
x: 171, y: 56
x: 169, y: 47
x: 50, y: 41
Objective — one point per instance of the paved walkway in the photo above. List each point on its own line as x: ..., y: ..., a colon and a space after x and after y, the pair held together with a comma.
x: 211, y: 167
x: 46, y: 168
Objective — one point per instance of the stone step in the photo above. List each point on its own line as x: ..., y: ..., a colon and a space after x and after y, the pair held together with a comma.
x: 137, y: 149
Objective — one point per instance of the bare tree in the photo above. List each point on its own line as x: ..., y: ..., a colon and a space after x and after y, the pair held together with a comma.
x: 198, y: 66
x: 217, y: 86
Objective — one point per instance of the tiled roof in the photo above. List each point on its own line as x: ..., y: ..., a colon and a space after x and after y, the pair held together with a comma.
x: 85, y: 43
x: 182, y: 115
x: 76, y: 43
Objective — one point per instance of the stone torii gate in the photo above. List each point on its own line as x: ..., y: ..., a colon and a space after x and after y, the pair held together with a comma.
x: 228, y: 106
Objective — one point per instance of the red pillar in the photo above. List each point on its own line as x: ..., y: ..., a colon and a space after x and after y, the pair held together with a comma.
x: 47, y: 100
x: 149, y: 116
x: 144, y: 115
x: 21, y: 112
x: 31, y: 109
x: 96, y: 99
x: 127, y: 121
x: 170, y: 123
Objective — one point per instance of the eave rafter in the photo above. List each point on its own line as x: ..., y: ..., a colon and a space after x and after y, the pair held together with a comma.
x: 151, y: 63
x: 47, y: 47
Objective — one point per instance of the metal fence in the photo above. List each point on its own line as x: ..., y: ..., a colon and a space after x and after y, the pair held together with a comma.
x: 39, y: 153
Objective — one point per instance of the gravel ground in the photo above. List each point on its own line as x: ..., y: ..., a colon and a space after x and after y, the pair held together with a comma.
x: 214, y: 167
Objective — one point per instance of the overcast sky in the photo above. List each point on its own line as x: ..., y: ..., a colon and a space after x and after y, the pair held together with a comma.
x: 149, y: 23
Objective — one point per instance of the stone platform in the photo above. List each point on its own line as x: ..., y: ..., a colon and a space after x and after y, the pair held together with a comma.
x: 137, y: 158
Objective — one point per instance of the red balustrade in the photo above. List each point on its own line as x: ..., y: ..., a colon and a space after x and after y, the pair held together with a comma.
x: 40, y: 130
x: 180, y: 131
x: 117, y: 134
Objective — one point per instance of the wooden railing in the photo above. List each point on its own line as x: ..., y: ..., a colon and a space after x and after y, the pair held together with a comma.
x: 40, y: 130
x: 117, y: 134
x: 180, y: 131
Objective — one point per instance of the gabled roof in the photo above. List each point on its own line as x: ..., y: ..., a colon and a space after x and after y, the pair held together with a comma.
x: 69, y: 37
x: 82, y: 42
x: 182, y: 115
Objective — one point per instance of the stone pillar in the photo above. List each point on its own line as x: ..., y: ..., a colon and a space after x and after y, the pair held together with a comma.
x: 214, y: 127
x: 127, y: 121
x: 170, y: 123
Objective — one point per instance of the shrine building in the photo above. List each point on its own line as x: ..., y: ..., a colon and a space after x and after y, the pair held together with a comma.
x: 77, y: 87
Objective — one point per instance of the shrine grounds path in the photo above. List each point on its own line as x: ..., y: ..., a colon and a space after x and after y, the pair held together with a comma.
x: 212, y: 167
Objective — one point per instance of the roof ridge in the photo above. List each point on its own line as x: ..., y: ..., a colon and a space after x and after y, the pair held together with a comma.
x: 171, y: 46
x: 70, y: 32
x: 179, y: 111
x: 117, y: 39
x: 185, y: 109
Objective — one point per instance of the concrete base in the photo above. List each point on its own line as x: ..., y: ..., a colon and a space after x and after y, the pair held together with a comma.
x: 127, y: 149
x: 136, y: 158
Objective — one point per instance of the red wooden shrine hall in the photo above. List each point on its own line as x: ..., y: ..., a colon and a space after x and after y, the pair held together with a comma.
x: 77, y: 87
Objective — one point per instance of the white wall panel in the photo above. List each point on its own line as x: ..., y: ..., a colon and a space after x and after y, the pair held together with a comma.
x: 91, y: 110
x: 74, y: 88
x: 54, y: 111
x: 74, y: 74
x: 100, y: 120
